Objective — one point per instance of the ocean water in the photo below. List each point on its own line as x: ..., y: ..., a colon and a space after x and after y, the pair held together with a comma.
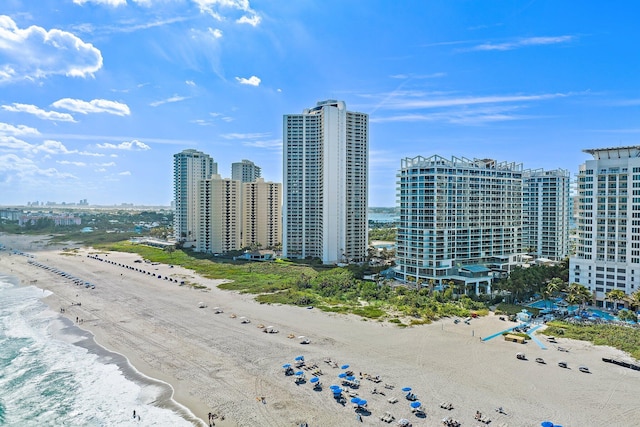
x: 52, y: 374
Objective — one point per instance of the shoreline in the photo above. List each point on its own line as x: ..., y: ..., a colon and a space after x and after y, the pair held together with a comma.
x: 216, y: 364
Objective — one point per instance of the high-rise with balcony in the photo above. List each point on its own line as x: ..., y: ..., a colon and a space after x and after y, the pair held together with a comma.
x: 545, y: 209
x: 189, y: 168
x: 219, y: 215
x: 261, y: 214
x: 460, y: 221
x: 245, y: 171
x: 326, y: 153
x: 607, y: 212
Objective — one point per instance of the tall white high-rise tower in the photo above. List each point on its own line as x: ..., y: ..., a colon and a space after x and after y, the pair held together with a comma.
x: 326, y: 157
x: 607, y: 212
x: 189, y: 168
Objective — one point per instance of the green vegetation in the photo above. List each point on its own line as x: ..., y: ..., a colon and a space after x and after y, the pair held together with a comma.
x: 327, y: 288
x: 518, y: 334
x: 523, y: 283
x: 621, y: 337
x: 387, y: 234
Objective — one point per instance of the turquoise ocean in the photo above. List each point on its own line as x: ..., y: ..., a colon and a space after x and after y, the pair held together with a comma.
x: 53, y: 374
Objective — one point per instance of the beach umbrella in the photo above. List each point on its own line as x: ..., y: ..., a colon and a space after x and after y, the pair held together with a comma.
x: 299, y: 373
x: 314, y: 380
x: 355, y: 400
x: 333, y: 387
x: 286, y: 365
x: 300, y: 358
x: 342, y: 375
x: 362, y: 402
x: 344, y: 366
x: 406, y: 389
x: 416, y: 404
x: 351, y: 378
x: 546, y: 424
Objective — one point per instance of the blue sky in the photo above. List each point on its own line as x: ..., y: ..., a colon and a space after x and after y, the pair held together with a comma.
x: 97, y: 95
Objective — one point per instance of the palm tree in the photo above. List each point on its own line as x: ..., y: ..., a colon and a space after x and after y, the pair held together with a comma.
x: 633, y: 300
x: 615, y: 295
x: 578, y: 294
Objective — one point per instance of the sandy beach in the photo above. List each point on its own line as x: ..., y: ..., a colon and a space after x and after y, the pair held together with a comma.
x: 215, y: 363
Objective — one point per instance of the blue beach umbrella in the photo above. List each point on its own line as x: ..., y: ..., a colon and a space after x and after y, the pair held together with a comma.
x: 546, y: 424
x: 362, y: 402
x: 416, y: 404
x: 299, y: 373
x: 342, y: 375
x: 351, y: 378
x: 355, y: 400
x: 333, y: 386
x: 344, y: 366
x: 406, y: 389
x: 286, y: 365
x: 314, y: 380
x: 300, y: 358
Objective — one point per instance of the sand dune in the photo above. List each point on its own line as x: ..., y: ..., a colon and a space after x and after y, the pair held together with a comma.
x: 218, y: 364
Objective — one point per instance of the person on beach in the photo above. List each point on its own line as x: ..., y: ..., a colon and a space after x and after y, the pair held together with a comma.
x: 134, y: 413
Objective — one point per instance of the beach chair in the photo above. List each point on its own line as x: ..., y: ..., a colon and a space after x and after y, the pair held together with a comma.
x: 392, y: 400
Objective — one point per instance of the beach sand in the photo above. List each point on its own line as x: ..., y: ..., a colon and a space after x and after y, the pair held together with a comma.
x: 217, y: 364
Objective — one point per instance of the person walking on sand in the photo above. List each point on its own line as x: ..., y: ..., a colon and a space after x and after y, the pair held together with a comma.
x: 134, y: 413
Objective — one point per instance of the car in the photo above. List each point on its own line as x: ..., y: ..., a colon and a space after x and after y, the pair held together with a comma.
x: 584, y: 369
x: 562, y: 364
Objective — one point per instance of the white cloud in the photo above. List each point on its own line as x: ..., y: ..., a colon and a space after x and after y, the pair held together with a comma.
x: 216, y: 33
x: 245, y: 135
x: 93, y: 106
x: 252, y: 20
x: 125, y: 173
x: 107, y: 165
x: 174, y: 98
x: 531, y: 41
x: 38, y: 112
x: 134, y: 145
x: 67, y: 162
x: 35, y: 53
x: 221, y: 117
x: 221, y: 9
x: 26, y: 172
x: 252, y: 81
x: 105, y: 2
x: 88, y: 153
x: 190, y: 83
x: 13, y: 143
x: 20, y: 130
x: 53, y: 147
x: 271, y: 144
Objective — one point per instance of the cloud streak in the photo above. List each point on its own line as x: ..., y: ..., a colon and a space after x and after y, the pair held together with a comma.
x: 134, y: 145
x: 526, y: 42
x: 93, y: 106
x: 172, y: 99
x: 39, y: 112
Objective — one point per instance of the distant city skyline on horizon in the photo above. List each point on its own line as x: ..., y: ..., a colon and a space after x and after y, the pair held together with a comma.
x: 97, y: 95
